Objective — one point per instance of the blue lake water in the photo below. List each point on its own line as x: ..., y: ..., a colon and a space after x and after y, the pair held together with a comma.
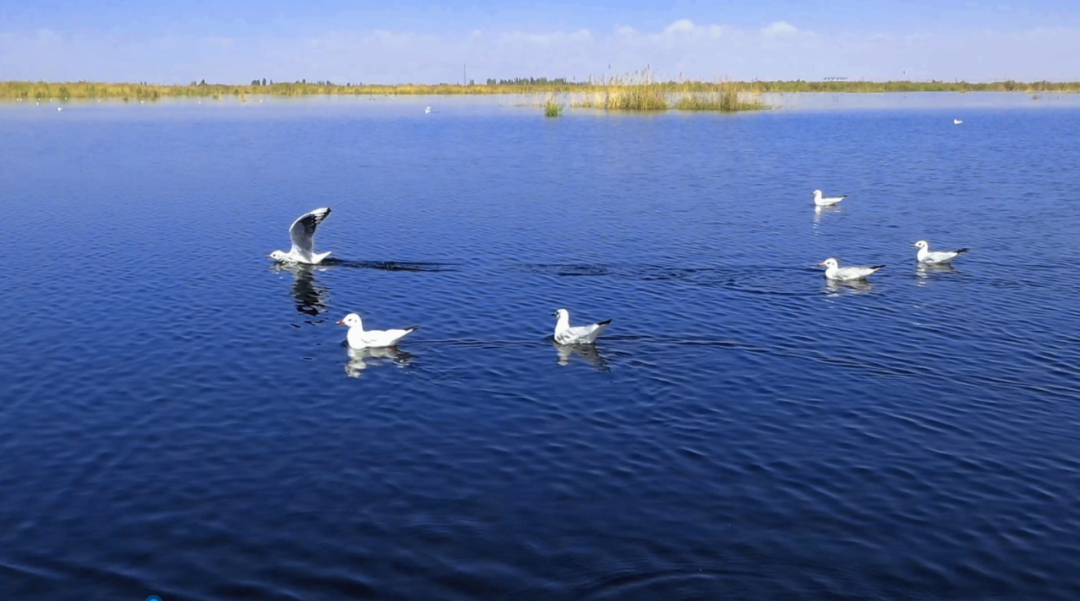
x: 179, y: 418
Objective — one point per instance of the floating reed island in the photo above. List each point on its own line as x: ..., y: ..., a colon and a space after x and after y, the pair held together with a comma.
x: 640, y: 91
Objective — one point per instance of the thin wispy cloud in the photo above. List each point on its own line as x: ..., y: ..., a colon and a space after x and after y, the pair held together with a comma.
x: 775, y: 50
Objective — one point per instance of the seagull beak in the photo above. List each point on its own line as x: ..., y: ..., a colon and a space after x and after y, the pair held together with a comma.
x: 821, y: 265
x: 555, y: 314
x: 341, y: 323
x: 914, y: 244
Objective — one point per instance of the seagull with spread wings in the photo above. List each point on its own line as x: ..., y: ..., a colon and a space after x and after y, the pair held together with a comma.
x: 302, y: 233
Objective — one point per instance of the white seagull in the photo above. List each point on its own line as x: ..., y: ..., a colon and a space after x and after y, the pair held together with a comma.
x: 957, y: 121
x: 847, y: 274
x: 564, y: 334
x: 826, y: 202
x: 302, y: 232
x: 427, y: 110
x: 939, y: 257
x: 359, y: 339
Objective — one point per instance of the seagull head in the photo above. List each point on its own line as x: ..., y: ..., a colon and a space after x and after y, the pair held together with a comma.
x: 561, y: 313
x: 351, y: 320
x: 817, y: 193
x: 277, y: 255
x: 830, y: 263
x: 922, y: 244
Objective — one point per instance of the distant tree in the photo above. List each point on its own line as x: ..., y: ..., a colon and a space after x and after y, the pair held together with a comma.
x: 264, y: 81
x: 472, y: 83
x: 254, y: 82
x: 202, y: 83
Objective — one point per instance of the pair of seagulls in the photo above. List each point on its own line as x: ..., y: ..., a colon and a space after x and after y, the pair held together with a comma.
x: 833, y: 271
x: 302, y: 233
x: 565, y: 334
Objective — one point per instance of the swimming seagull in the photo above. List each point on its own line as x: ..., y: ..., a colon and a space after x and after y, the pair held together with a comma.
x: 359, y: 339
x: 957, y: 121
x: 302, y: 232
x: 939, y: 257
x: 59, y: 108
x: 427, y: 110
x: 564, y: 334
x: 847, y: 274
x: 826, y: 202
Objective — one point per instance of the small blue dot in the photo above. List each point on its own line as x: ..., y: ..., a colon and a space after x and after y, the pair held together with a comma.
x: 153, y: 598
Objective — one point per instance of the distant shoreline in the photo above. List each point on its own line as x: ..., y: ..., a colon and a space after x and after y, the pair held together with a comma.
x: 145, y: 91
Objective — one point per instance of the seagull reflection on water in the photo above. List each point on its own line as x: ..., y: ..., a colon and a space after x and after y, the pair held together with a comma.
x: 838, y: 287
x: 819, y: 211
x: 927, y: 270
x: 587, y: 352
x: 310, y: 297
x: 362, y: 359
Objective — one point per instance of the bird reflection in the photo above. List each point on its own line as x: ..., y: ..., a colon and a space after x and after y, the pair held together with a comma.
x: 927, y: 270
x: 836, y: 287
x: 588, y: 352
x: 820, y: 211
x: 362, y: 359
x: 310, y: 297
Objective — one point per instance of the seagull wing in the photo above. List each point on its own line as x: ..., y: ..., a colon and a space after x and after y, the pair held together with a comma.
x: 385, y: 338
x: 585, y: 334
x: 303, y: 229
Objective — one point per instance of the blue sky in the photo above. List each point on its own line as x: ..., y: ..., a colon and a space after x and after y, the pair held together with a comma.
x: 406, y: 40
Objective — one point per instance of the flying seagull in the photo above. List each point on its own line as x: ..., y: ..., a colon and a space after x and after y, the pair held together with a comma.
x: 564, y: 334
x: 302, y: 232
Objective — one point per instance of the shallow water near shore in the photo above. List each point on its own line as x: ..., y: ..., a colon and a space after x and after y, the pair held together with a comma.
x: 178, y: 417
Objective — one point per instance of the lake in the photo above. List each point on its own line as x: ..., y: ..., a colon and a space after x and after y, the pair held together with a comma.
x: 179, y: 418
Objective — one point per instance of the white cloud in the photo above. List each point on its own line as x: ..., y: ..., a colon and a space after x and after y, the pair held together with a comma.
x: 779, y: 28
x: 680, y: 26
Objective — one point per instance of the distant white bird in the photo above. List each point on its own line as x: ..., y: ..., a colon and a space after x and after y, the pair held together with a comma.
x: 821, y: 201
x: 940, y: 257
x: 957, y: 121
x: 564, y: 334
x: 302, y: 233
x: 427, y: 110
x: 358, y: 338
x: 833, y: 271
x: 59, y: 108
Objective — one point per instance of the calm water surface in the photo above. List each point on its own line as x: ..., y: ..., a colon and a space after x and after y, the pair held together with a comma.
x: 179, y: 418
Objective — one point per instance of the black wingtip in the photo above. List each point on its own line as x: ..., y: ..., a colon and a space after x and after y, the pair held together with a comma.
x: 604, y: 323
x: 962, y: 251
x: 412, y: 328
x: 876, y: 267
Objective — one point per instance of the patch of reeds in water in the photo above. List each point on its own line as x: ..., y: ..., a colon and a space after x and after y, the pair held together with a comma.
x: 727, y: 98
x: 640, y: 91
x: 634, y: 92
x: 552, y: 108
